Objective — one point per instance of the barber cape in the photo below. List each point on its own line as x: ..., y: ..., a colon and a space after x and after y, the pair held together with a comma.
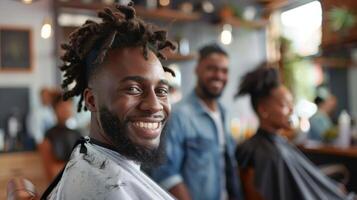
x: 100, y: 173
x: 282, y: 172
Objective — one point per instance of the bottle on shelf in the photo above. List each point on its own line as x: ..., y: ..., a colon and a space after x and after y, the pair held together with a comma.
x: 344, y: 130
x: 183, y: 45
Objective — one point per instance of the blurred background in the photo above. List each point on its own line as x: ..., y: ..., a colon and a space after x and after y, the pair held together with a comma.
x: 312, y: 42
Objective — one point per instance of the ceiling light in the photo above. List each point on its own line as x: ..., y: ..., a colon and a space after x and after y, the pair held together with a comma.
x: 46, y: 30
x: 226, y: 34
x: 27, y: 1
x: 164, y: 2
x: 207, y: 7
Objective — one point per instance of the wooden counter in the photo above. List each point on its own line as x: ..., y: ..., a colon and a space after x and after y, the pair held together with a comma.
x: 27, y: 165
x: 331, y: 150
x: 322, y: 155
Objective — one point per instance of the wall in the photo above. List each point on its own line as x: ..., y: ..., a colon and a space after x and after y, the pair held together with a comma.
x: 17, y: 14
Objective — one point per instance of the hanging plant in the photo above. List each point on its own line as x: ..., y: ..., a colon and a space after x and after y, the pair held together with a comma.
x: 341, y: 19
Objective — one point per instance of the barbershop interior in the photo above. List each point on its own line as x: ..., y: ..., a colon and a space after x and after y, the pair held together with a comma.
x: 310, y: 44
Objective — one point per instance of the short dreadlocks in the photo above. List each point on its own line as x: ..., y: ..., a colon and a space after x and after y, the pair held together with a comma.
x: 89, y: 44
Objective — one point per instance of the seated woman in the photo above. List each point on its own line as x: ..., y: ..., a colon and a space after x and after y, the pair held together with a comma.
x: 60, y: 139
x: 271, y: 168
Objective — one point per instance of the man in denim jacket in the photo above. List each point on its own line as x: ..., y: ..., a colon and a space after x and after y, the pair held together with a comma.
x: 199, y: 148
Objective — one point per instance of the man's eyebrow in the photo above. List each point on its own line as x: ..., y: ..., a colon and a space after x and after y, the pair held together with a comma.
x: 141, y: 79
x: 133, y: 78
x: 164, y: 82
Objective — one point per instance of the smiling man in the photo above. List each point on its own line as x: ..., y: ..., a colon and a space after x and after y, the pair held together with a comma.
x: 200, y: 150
x: 115, y: 69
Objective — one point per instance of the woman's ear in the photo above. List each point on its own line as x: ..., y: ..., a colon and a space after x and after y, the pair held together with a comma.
x: 262, y: 111
x: 89, y: 100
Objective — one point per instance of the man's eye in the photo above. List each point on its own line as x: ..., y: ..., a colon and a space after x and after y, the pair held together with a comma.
x: 162, y: 92
x: 134, y: 90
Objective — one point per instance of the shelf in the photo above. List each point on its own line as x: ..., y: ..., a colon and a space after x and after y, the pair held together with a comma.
x: 164, y: 14
x: 174, y: 57
x: 171, y: 57
x: 332, y: 40
x: 334, y: 62
x: 167, y: 14
x: 256, y: 24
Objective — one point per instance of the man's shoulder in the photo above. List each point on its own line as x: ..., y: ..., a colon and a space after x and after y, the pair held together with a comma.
x: 99, y: 177
x: 89, y: 163
x: 90, y: 174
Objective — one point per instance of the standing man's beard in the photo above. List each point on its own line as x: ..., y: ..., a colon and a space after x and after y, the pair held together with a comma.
x: 208, y: 94
x: 117, y: 132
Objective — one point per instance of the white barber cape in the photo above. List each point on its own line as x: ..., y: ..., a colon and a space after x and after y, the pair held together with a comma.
x: 104, y: 174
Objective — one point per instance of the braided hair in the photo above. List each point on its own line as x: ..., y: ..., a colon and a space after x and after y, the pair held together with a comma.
x: 89, y: 44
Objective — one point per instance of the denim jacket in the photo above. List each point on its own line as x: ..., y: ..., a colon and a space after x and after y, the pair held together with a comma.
x: 193, y: 153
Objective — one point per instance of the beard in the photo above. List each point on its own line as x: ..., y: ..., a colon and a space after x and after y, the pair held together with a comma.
x: 207, y: 93
x: 117, y: 131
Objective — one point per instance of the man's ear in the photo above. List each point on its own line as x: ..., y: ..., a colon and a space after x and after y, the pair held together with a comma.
x: 90, y: 100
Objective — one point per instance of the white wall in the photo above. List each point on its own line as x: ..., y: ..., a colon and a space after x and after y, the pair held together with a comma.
x: 17, y: 14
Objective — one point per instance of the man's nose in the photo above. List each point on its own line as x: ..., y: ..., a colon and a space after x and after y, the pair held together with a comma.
x: 151, y: 103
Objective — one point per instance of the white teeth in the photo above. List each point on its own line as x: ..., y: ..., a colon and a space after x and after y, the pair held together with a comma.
x: 147, y: 125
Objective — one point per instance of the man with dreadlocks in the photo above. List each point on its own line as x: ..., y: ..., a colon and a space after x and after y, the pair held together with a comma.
x: 115, y: 68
